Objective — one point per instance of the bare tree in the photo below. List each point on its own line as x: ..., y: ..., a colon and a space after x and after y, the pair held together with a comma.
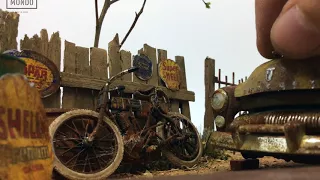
x: 106, y: 6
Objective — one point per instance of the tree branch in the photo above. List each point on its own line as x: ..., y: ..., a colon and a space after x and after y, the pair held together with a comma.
x: 114, y: 1
x: 105, y: 8
x: 99, y: 20
x: 97, y: 16
x: 133, y: 24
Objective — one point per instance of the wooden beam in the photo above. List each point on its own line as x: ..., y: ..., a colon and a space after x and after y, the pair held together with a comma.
x: 82, y: 81
x: 209, y: 71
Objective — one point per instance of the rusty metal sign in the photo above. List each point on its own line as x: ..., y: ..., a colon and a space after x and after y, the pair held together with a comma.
x: 41, y: 71
x: 25, y: 145
x: 170, y: 73
x: 145, y: 67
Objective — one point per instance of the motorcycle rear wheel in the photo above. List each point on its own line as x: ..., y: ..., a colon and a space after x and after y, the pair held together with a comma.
x: 180, y: 153
x: 90, y: 160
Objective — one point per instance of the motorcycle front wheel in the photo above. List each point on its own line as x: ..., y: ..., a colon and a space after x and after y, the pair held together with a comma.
x: 185, y: 151
x: 76, y: 157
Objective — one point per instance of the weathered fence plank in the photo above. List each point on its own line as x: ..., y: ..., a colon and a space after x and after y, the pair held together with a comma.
x: 152, y: 54
x: 125, y: 57
x: 99, y: 68
x: 84, y: 95
x: 184, y: 105
x: 114, y: 56
x: 44, y: 46
x: 209, y: 74
x: 8, y: 30
x: 162, y: 55
x: 69, y: 93
x: 99, y: 63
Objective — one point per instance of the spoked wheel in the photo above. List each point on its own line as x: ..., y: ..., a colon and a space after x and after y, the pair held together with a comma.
x: 75, y: 156
x: 184, y: 148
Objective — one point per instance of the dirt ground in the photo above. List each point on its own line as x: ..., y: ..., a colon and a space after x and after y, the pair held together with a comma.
x: 207, y: 166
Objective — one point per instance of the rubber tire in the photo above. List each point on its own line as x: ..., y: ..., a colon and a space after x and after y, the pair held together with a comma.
x: 68, y: 173
x: 174, y: 159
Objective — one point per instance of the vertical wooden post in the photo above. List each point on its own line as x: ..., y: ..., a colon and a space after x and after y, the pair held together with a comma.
x: 233, y: 78
x: 114, y: 56
x: 84, y: 96
x: 184, y: 105
x: 125, y: 57
x: 151, y: 53
x: 69, y: 93
x: 219, y: 79
x: 162, y: 55
x: 209, y: 71
x: 9, y: 31
x: 226, y: 79
x: 98, y: 68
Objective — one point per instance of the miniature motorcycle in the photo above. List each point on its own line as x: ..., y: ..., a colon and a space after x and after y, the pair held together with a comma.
x: 91, y: 144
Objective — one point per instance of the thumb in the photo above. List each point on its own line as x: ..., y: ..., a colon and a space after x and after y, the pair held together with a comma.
x: 296, y: 32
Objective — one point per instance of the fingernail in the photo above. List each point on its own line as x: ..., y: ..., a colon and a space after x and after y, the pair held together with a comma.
x: 293, y: 35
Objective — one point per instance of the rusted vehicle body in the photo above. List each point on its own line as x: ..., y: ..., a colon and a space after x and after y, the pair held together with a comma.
x: 282, y: 101
x: 91, y: 144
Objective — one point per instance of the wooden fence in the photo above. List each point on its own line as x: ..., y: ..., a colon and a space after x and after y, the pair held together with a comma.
x: 211, y: 80
x: 85, y: 70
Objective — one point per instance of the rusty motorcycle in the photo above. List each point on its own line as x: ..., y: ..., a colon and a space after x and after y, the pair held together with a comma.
x: 91, y: 144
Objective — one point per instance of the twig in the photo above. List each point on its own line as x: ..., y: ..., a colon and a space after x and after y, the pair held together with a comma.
x: 133, y: 24
x: 114, y: 1
x: 104, y: 11
x: 97, y: 16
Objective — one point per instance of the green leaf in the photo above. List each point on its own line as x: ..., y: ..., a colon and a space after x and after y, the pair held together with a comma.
x: 207, y: 4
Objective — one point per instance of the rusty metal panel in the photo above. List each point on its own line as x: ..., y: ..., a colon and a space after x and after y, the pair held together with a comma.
x: 25, y: 146
x: 281, y: 75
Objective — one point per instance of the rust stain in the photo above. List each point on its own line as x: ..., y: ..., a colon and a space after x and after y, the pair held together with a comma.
x: 280, y: 75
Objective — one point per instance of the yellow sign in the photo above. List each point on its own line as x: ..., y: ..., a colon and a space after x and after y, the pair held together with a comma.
x: 170, y: 73
x: 25, y: 145
x: 38, y: 73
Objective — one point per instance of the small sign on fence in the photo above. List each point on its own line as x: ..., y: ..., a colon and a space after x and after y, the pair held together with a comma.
x: 40, y: 71
x: 170, y: 73
x: 145, y: 67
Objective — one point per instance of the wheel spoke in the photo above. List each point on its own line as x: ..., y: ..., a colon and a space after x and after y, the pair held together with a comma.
x: 74, y: 130
x: 97, y: 159
x: 66, y: 139
x: 74, y: 156
x: 185, y: 144
x: 77, y: 153
x: 70, y: 149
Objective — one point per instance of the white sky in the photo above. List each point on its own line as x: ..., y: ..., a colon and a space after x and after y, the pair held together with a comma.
x: 226, y: 33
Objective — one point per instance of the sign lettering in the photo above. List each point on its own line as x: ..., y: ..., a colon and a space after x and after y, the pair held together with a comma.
x: 15, y: 155
x: 40, y: 71
x: 169, y: 72
x: 21, y: 123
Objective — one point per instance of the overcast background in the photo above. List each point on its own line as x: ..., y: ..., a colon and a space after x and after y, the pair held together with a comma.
x: 226, y: 33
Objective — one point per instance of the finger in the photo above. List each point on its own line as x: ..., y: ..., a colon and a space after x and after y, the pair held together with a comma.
x: 296, y: 32
x: 267, y: 11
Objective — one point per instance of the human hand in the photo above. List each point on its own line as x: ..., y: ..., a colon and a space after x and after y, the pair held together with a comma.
x: 288, y: 27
